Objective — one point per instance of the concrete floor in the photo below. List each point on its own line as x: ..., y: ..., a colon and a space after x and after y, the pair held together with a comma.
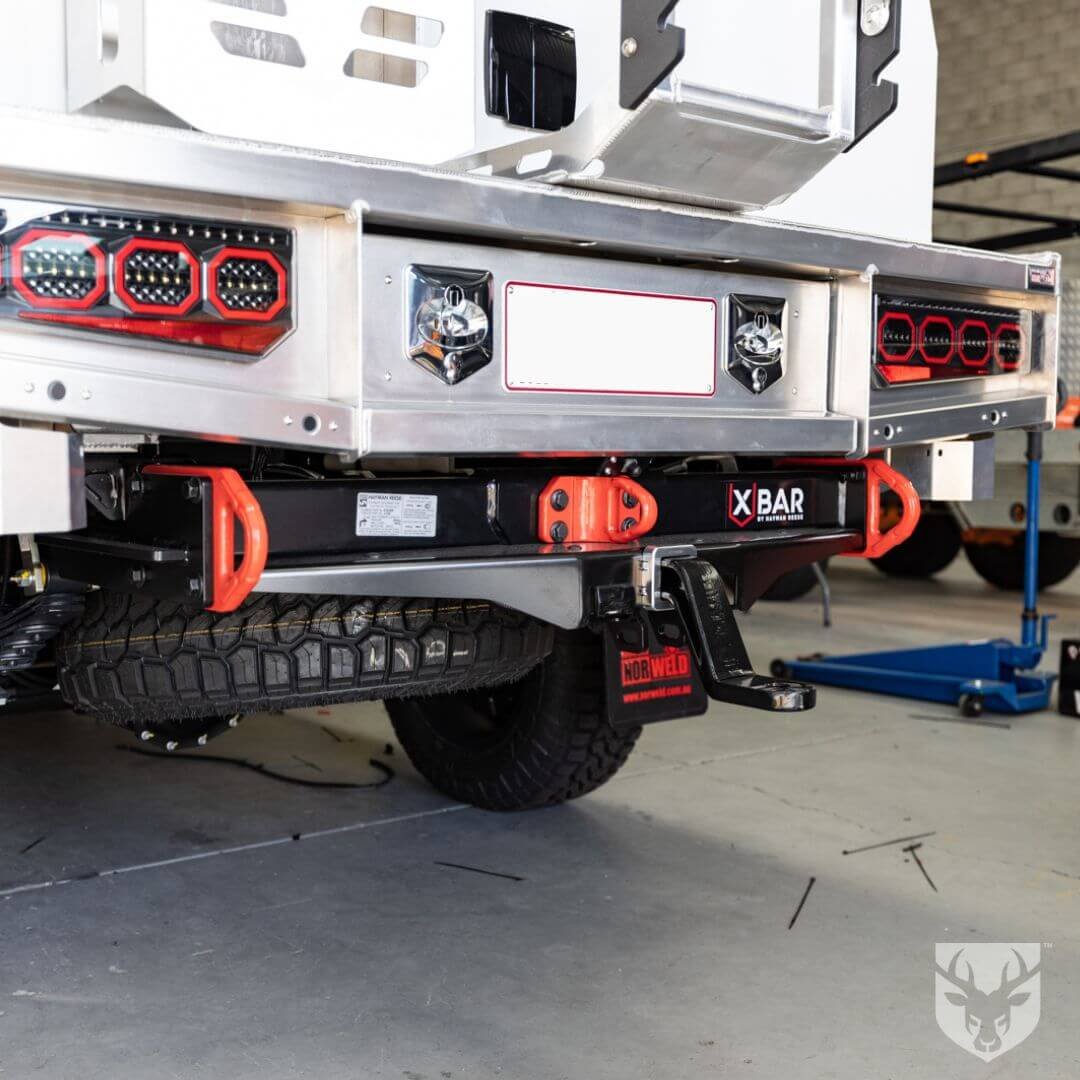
x: 641, y: 933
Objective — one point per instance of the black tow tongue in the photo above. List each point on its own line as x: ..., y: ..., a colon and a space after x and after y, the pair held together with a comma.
x: 718, y: 646
x: 664, y: 665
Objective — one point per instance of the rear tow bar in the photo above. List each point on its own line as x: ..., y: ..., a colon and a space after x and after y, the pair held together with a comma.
x: 683, y: 647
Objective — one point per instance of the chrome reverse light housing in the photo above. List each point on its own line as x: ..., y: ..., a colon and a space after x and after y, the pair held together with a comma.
x: 218, y: 287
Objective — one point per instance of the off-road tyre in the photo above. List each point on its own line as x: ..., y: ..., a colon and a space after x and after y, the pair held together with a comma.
x: 794, y: 585
x: 158, y: 666
x: 1001, y: 561
x: 540, y: 742
x: 933, y: 545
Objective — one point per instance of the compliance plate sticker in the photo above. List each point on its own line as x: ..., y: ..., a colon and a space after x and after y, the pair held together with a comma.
x: 385, y: 514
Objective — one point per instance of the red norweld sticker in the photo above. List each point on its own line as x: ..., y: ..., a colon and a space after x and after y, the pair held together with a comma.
x: 1042, y: 278
x: 766, y: 504
x: 651, y: 672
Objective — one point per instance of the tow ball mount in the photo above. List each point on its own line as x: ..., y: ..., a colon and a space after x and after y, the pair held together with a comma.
x: 682, y: 646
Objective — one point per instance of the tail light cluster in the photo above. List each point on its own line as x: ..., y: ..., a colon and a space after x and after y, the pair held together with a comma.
x: 921, y: 340
x: 210, y: 285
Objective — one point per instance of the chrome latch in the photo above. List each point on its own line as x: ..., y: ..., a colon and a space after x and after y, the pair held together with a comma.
x: 646, y: 572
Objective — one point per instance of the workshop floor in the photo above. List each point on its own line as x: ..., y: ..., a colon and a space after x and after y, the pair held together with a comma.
x: 249, y: 928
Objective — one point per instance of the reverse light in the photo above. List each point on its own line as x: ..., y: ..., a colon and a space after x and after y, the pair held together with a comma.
x: 924, y: 340
x: 207, y: 285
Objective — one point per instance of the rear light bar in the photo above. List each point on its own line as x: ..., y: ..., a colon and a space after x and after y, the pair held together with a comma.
x: 924, y: 340
x: 210, y: 285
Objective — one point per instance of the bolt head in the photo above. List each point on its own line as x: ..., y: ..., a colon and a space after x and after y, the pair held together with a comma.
x: 559, y: 532
x: 629, y: 500
x: 560, y: 500
x: 630, y: 47
x: 628, y: 524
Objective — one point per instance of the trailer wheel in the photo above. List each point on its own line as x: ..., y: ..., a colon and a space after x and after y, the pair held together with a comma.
x: 542, y: 741
x: 171, y: 670
x: 933, y: 545
x: 1000, y: 560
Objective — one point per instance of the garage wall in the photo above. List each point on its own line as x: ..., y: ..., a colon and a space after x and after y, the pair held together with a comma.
x: 1009, y: 72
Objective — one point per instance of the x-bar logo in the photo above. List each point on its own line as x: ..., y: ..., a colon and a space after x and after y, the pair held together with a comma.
x: 742, y: 504
x: 783, y: 506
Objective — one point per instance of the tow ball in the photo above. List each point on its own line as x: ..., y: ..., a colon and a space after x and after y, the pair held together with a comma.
x: 682, y: 646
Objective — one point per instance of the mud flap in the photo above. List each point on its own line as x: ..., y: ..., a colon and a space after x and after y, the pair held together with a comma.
x: 651, y: 671
x: 664, y: 665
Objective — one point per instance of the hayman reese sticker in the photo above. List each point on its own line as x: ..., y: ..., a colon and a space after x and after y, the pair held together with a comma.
x: 396, y: 515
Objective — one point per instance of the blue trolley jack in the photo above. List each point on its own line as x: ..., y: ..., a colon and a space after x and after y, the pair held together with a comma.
x: 998, y: 675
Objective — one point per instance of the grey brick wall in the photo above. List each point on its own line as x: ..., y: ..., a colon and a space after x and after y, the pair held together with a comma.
x: 1009, y: 72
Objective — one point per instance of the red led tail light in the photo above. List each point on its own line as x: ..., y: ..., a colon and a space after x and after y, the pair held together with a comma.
x: 246, y: 284
x: 178, y: 283
x: 896, y: 337
x: 975, y: 341
x: 924, y: 340
x: 937, y: 339
x: 1009, y: 346
x: 157, y: 277
x: 58, y: 269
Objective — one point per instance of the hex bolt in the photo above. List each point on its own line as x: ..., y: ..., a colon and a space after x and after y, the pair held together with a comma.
x: 560, y: 500
x: 628, y: 524
x: 138, y: 576
x: 194, y: 585
x: 136, y: 485
x: 192, y: 490
x: 559, y: 532
x: 629, y: 500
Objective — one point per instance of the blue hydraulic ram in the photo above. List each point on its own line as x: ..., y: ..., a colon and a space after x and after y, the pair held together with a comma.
x: 997, y: 675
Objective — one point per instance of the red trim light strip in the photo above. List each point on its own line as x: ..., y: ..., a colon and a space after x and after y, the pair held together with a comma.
x: 251, y: 340
x: 903, y: 373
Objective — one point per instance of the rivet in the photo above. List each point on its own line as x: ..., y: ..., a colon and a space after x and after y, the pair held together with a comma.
x: 288, y: 421
x: 388, y: 280
x: 629, y: 47
x: 28, y: 387
x: 388, y: 376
